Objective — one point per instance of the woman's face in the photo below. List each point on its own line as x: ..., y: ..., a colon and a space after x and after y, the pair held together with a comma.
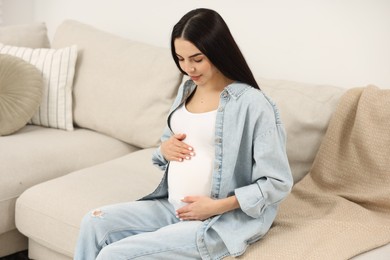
x: 195, y: 63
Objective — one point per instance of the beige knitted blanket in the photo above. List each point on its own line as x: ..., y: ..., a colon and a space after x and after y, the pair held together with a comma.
x: 342, y: 207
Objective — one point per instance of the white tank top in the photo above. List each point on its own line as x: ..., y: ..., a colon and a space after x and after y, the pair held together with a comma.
x: 192, y: 177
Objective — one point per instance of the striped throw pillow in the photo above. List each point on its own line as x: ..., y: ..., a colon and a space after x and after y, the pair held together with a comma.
x: 57, y: 67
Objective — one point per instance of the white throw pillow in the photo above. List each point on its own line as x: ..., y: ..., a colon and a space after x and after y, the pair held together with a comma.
x: 57, y: 67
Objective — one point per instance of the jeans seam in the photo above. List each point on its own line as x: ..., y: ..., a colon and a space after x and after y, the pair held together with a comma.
x: 145, y: 253
x: 104, y: 238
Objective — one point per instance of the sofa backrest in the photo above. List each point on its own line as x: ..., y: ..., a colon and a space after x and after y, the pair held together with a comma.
x: 305, y: 110
x: 122, y: 88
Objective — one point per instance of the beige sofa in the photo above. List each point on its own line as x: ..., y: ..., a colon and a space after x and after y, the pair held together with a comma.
x: 121, y: 93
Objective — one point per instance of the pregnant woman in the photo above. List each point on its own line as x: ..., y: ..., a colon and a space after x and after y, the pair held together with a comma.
x: 223, y: 155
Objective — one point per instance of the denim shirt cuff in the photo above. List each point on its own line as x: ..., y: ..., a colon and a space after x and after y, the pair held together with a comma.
x: 159, y: 160
x: 251, y: 200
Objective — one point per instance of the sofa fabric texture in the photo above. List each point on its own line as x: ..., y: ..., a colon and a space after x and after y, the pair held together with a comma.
x: 21, y: 89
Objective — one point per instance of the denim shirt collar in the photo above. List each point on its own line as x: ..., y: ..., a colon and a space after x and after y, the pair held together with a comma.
x: 235, y: 89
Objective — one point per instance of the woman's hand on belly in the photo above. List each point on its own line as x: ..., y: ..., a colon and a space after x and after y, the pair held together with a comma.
x: 174, y: 149
x: 203, y: 207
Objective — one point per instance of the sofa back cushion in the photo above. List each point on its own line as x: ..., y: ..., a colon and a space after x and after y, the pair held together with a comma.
x: 305, y: 111
x: 122, y: 88
x: 25, y: 35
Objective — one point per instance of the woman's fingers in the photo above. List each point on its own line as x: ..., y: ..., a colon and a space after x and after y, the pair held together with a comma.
x: 174, y: 149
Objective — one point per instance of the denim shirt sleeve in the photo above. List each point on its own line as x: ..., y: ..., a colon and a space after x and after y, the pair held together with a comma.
x: 271, y: 174
x: 157, y: 157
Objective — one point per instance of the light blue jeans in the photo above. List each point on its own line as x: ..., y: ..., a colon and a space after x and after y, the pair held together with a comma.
x: 137, y: 230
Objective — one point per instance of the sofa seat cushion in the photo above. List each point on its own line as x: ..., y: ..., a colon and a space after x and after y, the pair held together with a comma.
x: 55, y: 223
x: 53, y: 226
x: 36, y: 154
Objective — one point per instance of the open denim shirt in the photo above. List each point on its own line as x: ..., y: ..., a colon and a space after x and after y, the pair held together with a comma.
x: 250, y: 162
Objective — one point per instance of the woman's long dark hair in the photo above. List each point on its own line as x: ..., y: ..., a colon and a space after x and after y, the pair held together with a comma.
x: 207, y: 30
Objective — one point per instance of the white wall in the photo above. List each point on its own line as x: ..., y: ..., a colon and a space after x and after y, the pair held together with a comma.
x: 16, y: 11
x: 339, y: 42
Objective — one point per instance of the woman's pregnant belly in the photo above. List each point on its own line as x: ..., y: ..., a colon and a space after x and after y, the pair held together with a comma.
x: 190, y: 177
